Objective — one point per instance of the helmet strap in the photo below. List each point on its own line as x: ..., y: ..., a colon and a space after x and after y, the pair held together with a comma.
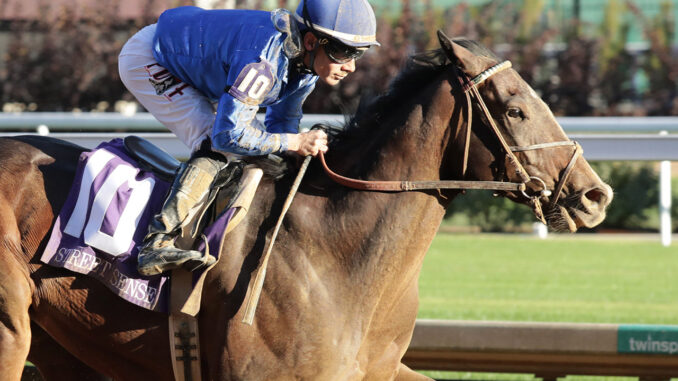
x: 309, y: 25
x: 311, y: 57
x: 298, y: 63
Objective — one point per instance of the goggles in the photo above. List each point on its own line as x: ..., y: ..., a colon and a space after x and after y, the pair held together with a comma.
x: 340, y: 53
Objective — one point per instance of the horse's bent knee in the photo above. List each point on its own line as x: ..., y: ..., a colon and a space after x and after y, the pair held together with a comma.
x: 15, y: 326
x: 14, y: 347
x: 407, y: 374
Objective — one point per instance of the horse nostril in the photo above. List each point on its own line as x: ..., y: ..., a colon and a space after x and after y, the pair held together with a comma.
x: 594, y: 195
x: 599, y: 195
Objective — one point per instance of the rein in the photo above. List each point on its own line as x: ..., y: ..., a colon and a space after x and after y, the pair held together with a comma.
x: 470, y: 88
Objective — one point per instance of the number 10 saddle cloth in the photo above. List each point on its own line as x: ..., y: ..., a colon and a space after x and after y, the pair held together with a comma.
x: 105, y: 218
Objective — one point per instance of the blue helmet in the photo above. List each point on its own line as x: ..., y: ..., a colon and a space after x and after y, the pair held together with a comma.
x: 351, y: 22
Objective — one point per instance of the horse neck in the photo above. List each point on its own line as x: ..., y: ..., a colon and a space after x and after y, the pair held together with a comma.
x: 389, y: 233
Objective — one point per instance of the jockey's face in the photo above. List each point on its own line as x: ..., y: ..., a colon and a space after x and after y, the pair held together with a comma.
x: 328, y: 70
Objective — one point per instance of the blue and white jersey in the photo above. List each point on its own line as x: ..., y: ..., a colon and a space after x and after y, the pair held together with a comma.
x: 237, y: 57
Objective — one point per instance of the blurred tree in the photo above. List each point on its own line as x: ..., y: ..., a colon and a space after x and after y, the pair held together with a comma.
x: 660, y: 65
x: 530, y: 13
x: 616, y: 64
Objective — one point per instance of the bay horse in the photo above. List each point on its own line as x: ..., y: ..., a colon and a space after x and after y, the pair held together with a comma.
x: 340, y: 298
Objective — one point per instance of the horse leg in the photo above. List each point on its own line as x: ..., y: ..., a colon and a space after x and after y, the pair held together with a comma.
x: 407, y: 374
x: 54, y: 362
x: 16, y: 290
x: 15, y: 326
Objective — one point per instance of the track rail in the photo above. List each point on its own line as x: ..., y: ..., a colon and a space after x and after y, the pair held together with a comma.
x: 547, y: 350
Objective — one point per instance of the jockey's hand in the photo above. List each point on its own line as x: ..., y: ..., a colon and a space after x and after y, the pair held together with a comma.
x: 308, y: 143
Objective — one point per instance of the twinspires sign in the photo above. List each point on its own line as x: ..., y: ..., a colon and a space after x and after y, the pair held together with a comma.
x: 655, y: 339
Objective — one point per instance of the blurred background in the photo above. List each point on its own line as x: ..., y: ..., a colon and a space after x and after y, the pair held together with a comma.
x: 585, y: 58
x: 594, y: 57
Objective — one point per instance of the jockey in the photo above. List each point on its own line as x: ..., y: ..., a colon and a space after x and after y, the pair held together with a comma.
x: 241, y: 60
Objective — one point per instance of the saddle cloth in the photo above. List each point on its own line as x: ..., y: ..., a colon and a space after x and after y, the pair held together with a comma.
x: 105, y: 218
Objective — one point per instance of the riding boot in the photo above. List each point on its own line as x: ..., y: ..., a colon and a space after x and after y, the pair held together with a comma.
x: 191, y: 186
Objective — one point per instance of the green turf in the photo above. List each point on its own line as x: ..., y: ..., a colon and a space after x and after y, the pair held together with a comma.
x: 565, y: 278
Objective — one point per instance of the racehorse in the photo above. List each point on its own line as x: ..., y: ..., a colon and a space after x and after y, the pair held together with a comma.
x: 340, y: 298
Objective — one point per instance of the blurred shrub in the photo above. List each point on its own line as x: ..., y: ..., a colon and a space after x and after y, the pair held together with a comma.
x: 636, y: 194
x: 489, y: 213
x: 66, y: 60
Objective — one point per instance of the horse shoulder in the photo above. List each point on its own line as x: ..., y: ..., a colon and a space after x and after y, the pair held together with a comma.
x: 24, y: 201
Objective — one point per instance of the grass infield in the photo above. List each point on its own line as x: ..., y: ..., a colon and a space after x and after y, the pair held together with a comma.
x: 565, y: 278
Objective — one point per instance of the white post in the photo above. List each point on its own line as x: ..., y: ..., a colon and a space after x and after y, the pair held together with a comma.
x: 665, y: 200
x: 42, y: 129
x: 540, y: 230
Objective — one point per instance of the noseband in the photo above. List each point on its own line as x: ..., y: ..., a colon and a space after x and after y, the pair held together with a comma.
x: 470, y: 88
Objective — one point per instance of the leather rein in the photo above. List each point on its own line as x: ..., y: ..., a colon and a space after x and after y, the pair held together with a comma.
x: 470, y: 88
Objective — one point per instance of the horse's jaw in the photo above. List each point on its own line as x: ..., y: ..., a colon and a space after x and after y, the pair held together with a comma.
x: 586, y: 209
x: 564, y: 219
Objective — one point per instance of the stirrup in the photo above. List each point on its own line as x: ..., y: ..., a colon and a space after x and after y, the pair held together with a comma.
x: 154, y: 261
x: 205, y: 261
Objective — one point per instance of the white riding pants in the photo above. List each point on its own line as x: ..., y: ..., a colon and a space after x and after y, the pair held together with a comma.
x: 181, y: 108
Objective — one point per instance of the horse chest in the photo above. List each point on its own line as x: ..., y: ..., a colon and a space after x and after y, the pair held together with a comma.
x: 314, y: 352
x: 314, y: 330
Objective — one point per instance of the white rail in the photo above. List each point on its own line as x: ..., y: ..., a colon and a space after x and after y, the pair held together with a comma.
x: 643, y: 147
x: 108, y: 121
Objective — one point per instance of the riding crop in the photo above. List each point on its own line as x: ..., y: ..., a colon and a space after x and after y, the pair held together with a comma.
x: 258, y: 283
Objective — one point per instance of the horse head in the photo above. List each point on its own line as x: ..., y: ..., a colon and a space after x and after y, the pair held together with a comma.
x: 516, y: 138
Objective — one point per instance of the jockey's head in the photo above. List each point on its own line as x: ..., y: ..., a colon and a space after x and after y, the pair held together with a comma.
x: 344, y: 29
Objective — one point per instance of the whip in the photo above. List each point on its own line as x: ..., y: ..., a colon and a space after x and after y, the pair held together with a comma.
x: 258, y: 283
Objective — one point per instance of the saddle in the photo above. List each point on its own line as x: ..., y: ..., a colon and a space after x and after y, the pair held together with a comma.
x: 151, y: 158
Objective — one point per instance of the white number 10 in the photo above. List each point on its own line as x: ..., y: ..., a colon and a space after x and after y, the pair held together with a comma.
x: 90, y: 228
x: 256, y: 88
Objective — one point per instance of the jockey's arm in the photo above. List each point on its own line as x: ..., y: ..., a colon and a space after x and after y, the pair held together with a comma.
x: 236, y: 130
x: 285, y: 116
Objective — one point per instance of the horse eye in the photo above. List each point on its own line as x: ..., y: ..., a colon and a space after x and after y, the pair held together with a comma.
x: 515, y: 112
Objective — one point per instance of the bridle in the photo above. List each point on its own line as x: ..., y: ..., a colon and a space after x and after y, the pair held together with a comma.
x: 470, y: 89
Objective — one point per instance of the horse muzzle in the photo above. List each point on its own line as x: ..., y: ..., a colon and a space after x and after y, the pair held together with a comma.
x: 585, y: 208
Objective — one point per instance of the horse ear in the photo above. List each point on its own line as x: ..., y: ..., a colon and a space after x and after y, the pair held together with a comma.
x: 459, y: 55
x: 445, y: 43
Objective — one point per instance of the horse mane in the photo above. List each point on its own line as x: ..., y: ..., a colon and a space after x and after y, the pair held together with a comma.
x: 419, y: 69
